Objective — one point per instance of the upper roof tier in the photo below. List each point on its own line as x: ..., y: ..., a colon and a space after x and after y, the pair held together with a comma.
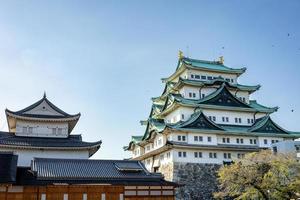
x: 220, y: 99
x: 172, y: 87
x: 212, y: 66
x: 42, y: 111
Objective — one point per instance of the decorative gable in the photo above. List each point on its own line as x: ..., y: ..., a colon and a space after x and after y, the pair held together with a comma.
x: 223, y: 97
x: 43, y: 109
x: 199, y: 121
x: 266, y: 125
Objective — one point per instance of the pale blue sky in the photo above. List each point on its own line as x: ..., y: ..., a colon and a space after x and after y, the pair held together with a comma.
x: 105, y: 59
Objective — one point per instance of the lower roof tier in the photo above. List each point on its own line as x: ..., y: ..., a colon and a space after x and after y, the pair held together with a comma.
x: 45, y: 171
x: 73, y: 142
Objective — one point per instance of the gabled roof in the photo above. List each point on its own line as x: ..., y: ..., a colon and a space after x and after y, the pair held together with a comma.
x: 220, y: 99
x: 42, y: 110
x: 213, y: 66
x: 267, y: 125
x: 43, y: 113
x: 72, y: 142
x: 197, y: 121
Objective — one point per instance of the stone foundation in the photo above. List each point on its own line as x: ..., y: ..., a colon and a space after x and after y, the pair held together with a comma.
x: 200, y: 180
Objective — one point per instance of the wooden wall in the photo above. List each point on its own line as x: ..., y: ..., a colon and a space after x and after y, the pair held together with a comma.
x: 74, y: 192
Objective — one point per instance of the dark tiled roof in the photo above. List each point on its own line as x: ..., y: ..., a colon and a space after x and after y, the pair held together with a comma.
x: 61, y: 112
x: 87, y: 169
x: 83, y: 171
x: 72, y: 141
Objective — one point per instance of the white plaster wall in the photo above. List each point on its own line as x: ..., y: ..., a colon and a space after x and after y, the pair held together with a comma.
x: 213, y: 74
x: 269, y: 139
x: 185, y: 90
x: 205, y: 156
x: 231, y: 115
x: 246, y: 140
x: 41, y: 129
x: 190, y: 138
x: 25, y: 156
x: 175, y: 115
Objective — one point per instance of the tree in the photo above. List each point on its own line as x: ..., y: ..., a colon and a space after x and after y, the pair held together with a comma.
x: 261, y: 175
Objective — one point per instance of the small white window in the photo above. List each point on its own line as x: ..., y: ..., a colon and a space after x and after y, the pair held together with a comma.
x: 30, y: 129
x: 59, y: 131
x: 24, y: 129
x: 84, y: 196
x: 66, y: 196
x: 121, y: 197
x: 103, y: 196
x: 43, y: 196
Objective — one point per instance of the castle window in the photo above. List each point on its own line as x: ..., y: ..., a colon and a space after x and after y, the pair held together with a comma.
x: 228, y: 140
x: 254, y: 141
x: 210, y: 118
x: 183, y: 138
x: 212, y: 155
x: 182, y: 116
x: 242, y: 140
x: 192, y: 75
x: 30, y: 129
x: 24, y: 129
x: 190, y: 94
x: 227, y: 79
x: 223, y: 119
x: 203, y: 95
x: 248, y: 120
x: 53, y: 130
x: 179, y: 154
x: 209, y: 78
x: 197, y: 77
x: 252, y: 121
x: 203, y: 77
x: 251, y: 142
x: 214, y: 118
x: 265, y: 141
x: 59, y: 131
x: 224, y: 140
x: 198, y: 154
x: 196, y: 138
x: 184, y: 154
x: 194, y: 95
x: 237, y: 140
x: 227, y: 155
x: 200, y: 138
x: 179, y: 137
x: 208, y: 139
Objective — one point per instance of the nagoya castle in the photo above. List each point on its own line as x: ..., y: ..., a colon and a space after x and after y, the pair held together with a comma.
x: 203, y: 119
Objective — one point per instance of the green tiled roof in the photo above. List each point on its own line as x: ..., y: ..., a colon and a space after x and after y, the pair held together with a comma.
x: 203, y: 103
x: 198, y: 122
x: 211, y: 65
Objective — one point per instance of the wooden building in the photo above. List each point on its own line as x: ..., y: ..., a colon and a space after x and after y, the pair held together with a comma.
x: 80, y: 179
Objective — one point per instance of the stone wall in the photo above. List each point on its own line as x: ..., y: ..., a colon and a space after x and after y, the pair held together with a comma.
x: 200, y: 180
